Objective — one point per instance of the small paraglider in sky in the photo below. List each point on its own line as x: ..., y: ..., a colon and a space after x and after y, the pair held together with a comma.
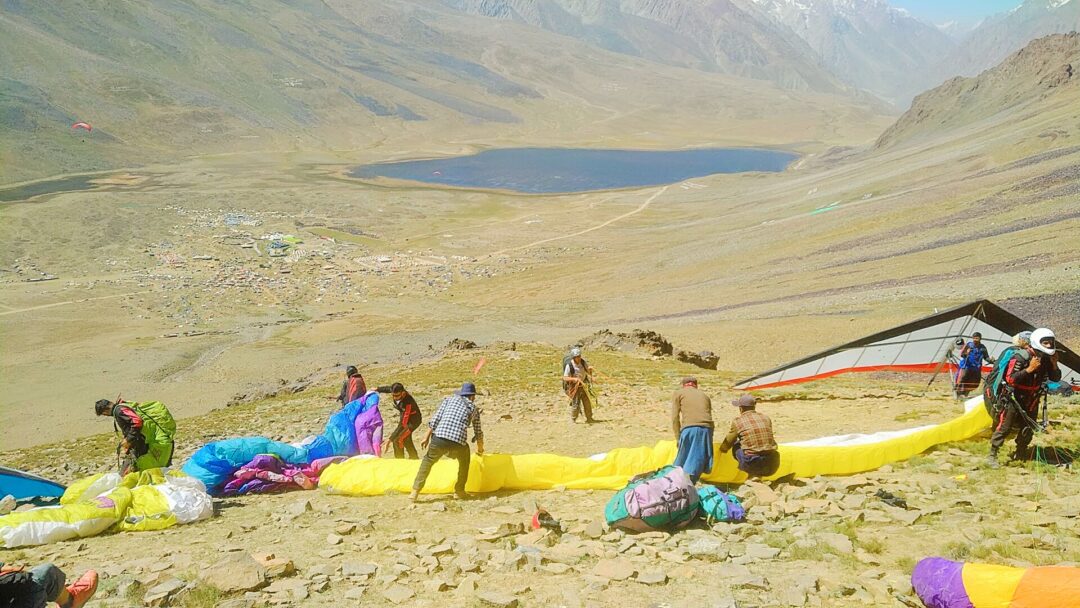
x: 82, y: 125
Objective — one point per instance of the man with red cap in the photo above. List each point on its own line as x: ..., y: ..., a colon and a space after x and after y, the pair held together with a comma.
x: 751, y: 439
x: 691, y: 419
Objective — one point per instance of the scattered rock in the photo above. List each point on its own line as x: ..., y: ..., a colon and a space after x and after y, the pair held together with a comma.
x: 618, y: 569
x: 709, y: 549
x: 238, y: 572
x: 160, y: 594
x: 652, y: 577
x: 460, y: 344
x: 595, y: 529
x: 494, y: 598
x: 358, y: 569
x: 397, y: 593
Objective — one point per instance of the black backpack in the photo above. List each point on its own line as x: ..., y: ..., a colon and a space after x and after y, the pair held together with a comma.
x: 16, y: 588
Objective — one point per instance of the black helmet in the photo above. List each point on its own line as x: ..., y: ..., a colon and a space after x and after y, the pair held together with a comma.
x: 351, y: 370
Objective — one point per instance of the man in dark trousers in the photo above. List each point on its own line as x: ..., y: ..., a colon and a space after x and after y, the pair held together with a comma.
x: 448, y: 433
x: 969, y: 370
x: 1025, y: 374
x: 353, y: 387
x: 408, y: 420
x: 751, y: 439
x: 147, y: 430
x: 691, y: 419
x: 38, y: 586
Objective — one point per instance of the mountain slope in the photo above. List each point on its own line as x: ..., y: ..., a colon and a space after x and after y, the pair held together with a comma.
x: 165, y: 79
x: 1001, y: 35
x: 714, y: 35
x: 1046, y: 69
x: 867, y: 43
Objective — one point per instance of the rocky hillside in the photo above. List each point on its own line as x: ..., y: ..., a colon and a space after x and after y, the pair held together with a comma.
x: 867, y: 43
x: 715, y: 35
x: 1046, y: 70
x: 999, y: 36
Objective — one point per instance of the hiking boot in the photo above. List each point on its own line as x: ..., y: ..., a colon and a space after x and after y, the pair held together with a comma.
x: 992, y: 459
x: 81, y: 590
x: 462, y: 495
x: 414, y: 495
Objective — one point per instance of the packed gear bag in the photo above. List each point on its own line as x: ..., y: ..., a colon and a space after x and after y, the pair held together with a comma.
x: 720, y: 506
x: 664, y: 499
x: 16, y: 587
x: 996, y: 392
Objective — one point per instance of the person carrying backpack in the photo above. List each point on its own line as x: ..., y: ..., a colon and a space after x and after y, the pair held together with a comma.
x: 577, y: 379
x: 38, y: 586
x: 1025, y: 373
x: 408, y: 421
x: 969, y: 370
x: 353, y: 387
x: 148, y: 433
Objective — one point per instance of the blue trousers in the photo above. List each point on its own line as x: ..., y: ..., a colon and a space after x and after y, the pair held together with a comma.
x: 695, y: 451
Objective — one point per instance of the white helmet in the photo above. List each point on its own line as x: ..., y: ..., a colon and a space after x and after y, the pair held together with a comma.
x: 1037, y: 338
x: 575, y: 352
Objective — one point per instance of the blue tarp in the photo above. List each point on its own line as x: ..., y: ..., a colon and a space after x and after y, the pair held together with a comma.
x: 24, y: 485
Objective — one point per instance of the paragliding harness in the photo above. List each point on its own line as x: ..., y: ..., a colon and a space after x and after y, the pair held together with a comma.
x: 997, y: 394
x: 567, y: 386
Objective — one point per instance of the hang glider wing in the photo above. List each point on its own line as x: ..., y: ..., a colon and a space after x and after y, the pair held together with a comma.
x: 919, y: 346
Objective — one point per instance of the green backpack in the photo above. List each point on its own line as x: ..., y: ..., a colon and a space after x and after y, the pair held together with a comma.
x: 995, y: 388
x: 159, y: 429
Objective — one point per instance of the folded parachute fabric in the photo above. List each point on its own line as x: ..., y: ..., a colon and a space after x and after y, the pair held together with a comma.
x: 148, y: 500
x: 366, y: 476
x: 354, y: 429
x: 268, y: 474
x: 943, y: 583
x: 214, y: 463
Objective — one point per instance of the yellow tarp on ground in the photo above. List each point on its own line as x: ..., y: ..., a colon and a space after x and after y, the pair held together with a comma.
x: 370, y: 476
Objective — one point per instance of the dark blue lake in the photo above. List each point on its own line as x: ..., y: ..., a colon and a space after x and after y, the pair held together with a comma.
x: 556, y: 170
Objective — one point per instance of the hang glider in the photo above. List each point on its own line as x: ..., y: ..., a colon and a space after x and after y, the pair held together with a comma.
x: 925, y: 345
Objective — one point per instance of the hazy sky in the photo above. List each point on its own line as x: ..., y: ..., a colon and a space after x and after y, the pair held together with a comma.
x: 940, y: 11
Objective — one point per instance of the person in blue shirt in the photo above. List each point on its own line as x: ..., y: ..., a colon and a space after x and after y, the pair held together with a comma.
x: 969, y: 370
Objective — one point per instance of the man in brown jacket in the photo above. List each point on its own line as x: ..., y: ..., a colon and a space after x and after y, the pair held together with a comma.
x: 691, y: 419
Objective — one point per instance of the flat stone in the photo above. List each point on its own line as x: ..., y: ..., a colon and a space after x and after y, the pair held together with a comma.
x: 839, y: 542
x: 595, y: 529
x: 760, y: 551
x: 618, y: 569
x: 237, y: 572
x: 494, y: 598
x: 334, y: 539
x: 159, y: 594
x: 397, y: 593
x: 356, y: 593
x: 298, y: 508
x: 329, y: 553
x: 358, y: 569
x: 709, y: 549
x: 555, y: 568
x: 652, y: 577
x: 344, y: 529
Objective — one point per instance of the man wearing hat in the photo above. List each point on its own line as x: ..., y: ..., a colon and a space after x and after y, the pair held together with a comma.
x: 691, y: 419
x: 447, y: 435
x: 751, y: 439
x: 577, y: 375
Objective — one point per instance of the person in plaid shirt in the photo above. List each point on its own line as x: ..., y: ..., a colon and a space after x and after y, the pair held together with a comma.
x: 448, y: 433
x: 751, y: 440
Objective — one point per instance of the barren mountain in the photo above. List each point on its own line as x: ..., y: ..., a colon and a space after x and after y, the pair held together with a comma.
x: 714, y: 35
x: 164, y: 79
x: 1001, y: 35
x: 867, y: 43
x: 1045, y: 71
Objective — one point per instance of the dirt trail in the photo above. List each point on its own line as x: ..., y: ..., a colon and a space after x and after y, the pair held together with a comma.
x: 43, y: 306
x: 636, y: 211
